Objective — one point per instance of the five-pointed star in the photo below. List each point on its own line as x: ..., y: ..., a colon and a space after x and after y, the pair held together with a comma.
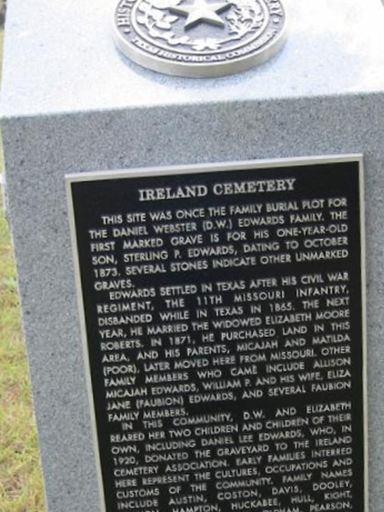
x: 200, y: 11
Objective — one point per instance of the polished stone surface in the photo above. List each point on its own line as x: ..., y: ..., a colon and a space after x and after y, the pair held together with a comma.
x: 60, y: 57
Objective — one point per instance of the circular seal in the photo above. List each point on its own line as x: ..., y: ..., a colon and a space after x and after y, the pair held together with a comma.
x: 199, y: 38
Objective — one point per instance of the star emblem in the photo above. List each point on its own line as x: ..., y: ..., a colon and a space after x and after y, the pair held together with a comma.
x: 202, y: 11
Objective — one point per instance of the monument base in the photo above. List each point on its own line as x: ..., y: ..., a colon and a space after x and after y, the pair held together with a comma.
x: 70, y: 112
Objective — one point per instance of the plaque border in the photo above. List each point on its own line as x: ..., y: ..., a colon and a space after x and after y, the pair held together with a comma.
x: 201, y: 168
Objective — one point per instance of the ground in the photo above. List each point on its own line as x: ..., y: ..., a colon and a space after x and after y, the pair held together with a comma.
x: 21, y: 488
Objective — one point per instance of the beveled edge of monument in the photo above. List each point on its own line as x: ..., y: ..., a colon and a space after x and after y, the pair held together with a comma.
x: 210, y: 70
x: 200, y: 169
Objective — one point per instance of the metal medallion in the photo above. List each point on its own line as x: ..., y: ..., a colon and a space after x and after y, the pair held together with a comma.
x: 199, y: 38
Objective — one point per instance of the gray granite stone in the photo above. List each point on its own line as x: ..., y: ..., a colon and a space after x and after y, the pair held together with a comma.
x: 70, y: 103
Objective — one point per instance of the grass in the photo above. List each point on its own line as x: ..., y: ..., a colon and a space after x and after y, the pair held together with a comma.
x: 21, y: 487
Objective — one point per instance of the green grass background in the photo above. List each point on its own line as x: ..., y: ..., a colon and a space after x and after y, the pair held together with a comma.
x: 21, y: 488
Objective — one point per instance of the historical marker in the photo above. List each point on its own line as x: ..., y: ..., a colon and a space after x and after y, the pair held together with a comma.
x: 223, y: 314
x: 199, y: 38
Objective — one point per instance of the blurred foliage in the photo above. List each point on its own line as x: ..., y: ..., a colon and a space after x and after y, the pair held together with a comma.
x: 3, y: 5
x: 21, y: 485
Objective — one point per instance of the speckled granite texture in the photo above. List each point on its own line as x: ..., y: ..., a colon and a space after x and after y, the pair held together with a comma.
x: 71, y: 103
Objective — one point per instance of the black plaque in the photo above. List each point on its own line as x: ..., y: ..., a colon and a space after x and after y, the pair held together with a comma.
x: 223, y: 312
